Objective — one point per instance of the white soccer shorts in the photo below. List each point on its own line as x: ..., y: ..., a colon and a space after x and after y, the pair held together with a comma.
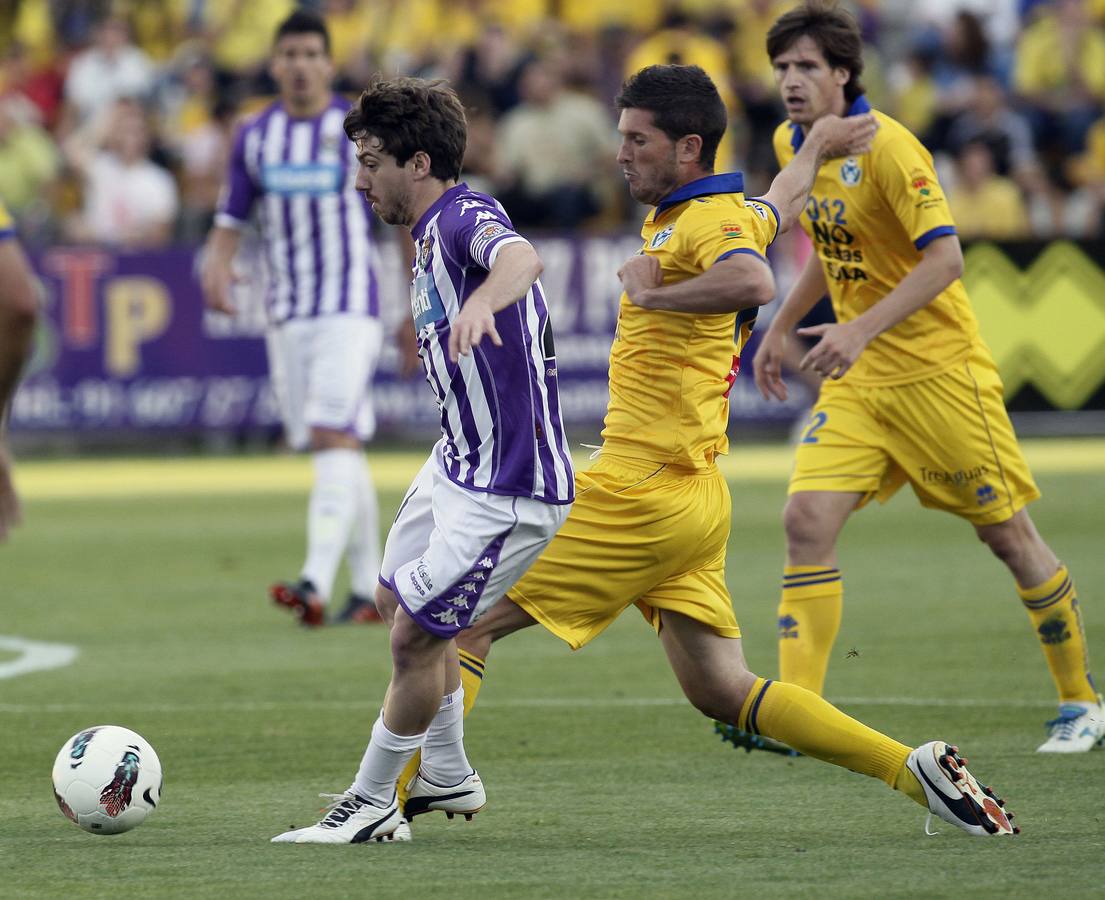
x: 453, y: 552
x: 321, y: 371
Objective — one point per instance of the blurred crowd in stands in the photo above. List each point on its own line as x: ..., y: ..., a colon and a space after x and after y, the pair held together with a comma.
x: 116, y: 116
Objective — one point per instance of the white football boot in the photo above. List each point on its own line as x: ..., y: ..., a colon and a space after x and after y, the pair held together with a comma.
x: 1079, y: 728
x: 954, y: 795
x: 350, y: 820
x: 466, y: 798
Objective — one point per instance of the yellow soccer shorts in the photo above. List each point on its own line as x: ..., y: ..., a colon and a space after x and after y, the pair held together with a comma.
x: 949, y: 436
x: 639, y: 532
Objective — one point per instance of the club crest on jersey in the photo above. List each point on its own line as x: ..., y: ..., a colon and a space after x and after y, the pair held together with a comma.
x: 661, y: 238
x: 730, y: 230
x: 850, y: 172
x: 424, y: 251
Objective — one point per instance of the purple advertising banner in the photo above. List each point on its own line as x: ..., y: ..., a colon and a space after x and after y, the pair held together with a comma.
x: 127, y: 345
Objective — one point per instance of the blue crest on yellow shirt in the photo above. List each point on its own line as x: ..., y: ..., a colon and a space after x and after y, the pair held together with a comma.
x: 850, y: 172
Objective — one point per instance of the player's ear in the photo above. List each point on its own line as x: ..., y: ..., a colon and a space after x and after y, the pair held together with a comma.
x: 420, y: 164
x: 688, y: 149
x: 841, y: 76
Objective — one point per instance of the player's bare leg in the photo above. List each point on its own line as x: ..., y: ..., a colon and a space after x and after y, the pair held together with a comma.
x: 369, y: 809
x: 1049, y: 597
x: 712, y: 672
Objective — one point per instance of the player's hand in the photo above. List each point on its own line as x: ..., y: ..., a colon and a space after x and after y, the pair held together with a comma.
x: 639, y: 273
x: 767, y: 365
x: 849, y: 136
x: 10, y: 513
x: 216, y: 279
x: 840, y: 346
x: 474, y: 321
x: 406, y: 339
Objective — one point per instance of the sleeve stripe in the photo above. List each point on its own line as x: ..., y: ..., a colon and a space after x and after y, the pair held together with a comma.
x: 775, y: 212
x: 501, y: 241
x: 747, y: 250
x: 226, y: 220
x: 932, y: 234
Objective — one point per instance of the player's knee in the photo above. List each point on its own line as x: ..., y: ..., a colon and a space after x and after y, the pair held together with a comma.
x: 332, y: 439
x: 804, y: 523
x: 412, y: 647
x: 386, y: 604
x: 1012, y: 541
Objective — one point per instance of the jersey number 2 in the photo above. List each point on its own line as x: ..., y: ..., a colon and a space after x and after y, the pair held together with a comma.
x: 817, y: 420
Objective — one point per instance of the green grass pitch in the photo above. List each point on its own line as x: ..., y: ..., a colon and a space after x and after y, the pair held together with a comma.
x: 602, y: 782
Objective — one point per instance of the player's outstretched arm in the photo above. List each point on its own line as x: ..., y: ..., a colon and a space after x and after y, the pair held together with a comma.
x: 829, y: 137
x: 516, y: 267
x: 737, y: 282
x: 767, y: 365
x: 842, y: 343
x: 18, y: 311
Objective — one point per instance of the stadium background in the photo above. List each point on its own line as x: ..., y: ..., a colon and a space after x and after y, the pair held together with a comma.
x: 1008, y: 94
x: 134, y: 590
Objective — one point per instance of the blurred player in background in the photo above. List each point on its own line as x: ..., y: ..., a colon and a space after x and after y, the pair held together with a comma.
x: 650, y: 525
x: 497, y: 485
x: 293, y: 163
x: 911, y: 392
x: 18, y: 311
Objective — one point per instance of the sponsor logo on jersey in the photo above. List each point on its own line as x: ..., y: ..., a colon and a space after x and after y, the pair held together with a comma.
x: 921, y: 184
x: 661, y: 237
x: 730, y: 230
x: 303, y: 178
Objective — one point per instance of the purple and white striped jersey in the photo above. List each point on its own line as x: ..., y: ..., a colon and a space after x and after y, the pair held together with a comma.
x: 314, y: 224
x: 500, y: 407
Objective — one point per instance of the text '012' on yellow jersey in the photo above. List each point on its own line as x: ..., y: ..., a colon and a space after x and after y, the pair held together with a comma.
x: 671, y: 372
x: 869, y: 218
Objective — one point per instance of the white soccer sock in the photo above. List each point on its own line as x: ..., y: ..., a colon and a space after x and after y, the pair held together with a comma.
x: 330, y: 514
x: 443, y: 759
x: 384, y: 759
x: 363, y: 552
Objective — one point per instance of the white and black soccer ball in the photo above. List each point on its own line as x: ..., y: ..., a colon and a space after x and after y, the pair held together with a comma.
x: 107, y: 779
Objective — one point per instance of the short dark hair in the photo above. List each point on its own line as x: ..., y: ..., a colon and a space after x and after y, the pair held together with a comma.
x: 303, y: 21
x: 683, y: 100
x: 835, y: 32
x: 412, y: 114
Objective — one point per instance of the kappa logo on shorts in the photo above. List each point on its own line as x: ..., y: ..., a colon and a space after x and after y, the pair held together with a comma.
x: 459, y: 601
x: 446, y: 617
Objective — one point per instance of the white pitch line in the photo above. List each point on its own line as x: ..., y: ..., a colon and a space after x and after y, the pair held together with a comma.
x: 521, y: 703
x: 34, y: 656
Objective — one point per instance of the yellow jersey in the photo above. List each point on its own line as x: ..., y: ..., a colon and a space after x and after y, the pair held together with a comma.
x: 869, y: 218
x: 671, y: 372
x: 7, y: 225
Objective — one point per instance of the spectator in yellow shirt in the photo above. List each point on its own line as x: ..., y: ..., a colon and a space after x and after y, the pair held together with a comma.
x: 984, y: 204
x: 1060, y: 71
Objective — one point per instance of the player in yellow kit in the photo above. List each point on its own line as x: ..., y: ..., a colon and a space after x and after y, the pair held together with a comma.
x: 651, y: 519
x: 18, y: 309
x: 911, y: 391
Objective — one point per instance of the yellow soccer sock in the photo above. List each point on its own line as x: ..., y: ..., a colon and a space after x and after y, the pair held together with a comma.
x: 809, y: 618
x: 813, y: 726
x: 471, y: 678
x: 1053, y: 609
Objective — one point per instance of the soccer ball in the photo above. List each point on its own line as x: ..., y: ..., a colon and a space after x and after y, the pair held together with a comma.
x: 107, y: 779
